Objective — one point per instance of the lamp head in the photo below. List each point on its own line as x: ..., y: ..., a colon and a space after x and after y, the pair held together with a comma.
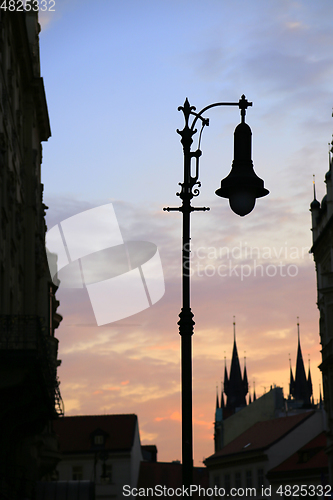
x: 242, y: 186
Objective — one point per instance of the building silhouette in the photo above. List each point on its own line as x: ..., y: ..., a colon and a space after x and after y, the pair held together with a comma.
x: 169, y: 474
x: 235, y: 389
x: 29, y: 391
x: 103, y: 449
x: 308, y: 465
x: 233, y: 416
x: 322, y: 250
x: 300, y: 386
x: 252, y: 458
x: 271, y: 440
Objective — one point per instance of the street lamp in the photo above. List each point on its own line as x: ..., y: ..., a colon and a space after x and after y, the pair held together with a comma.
x: 242, y: 186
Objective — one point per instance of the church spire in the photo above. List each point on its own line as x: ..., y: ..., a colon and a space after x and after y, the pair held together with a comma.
x: 298, y: 336
x: 329, y: 186
x: 309, y: 380
x: 217, y: 398
x: 301, y: 387
x: 234, y: 324
x: 315, y: 205
x: 245, y: 381
x: 291, y: 382
x: 222, y: 397
x: 226, y: 379
x: 314, y: 187
x: 236, y: 390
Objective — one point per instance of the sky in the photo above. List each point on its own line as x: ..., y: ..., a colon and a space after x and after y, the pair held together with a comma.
x: 115, y: 74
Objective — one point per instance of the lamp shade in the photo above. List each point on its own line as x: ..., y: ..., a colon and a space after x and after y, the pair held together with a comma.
x: 242, y: 186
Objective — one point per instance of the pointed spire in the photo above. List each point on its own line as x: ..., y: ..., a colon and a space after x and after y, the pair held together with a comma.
x: 250, y: 401
x: 291, y: 382
x: 301, y: 389
x: 245, y: 381
x: 315, y: 205
x: 298, y: 330
x: 314, y: 187
x: 309, y: 380
x: 330, y: 150
x: 236, y: 391
x: 254, y: 391
x: 222, y: 399
x: 320, y: 398
x: 218, y: 415
x: 234, y: 323
x: 226, y: 379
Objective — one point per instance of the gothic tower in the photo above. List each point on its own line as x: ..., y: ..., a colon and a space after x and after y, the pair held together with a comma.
x: 322, y: 250
x: 235, y: 389
x: 235, y: 386
x: 300, y: 387
x: 218, y: 424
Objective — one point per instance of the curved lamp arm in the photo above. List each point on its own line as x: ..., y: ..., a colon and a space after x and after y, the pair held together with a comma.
x: 243, y: 104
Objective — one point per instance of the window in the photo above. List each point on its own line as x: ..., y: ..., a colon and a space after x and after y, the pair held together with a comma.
x: 260, y: 475
x: 99, y: 439
x: 249, y: 478
x: 77, y: 472
x: 238, y: 480
x: 106, y: 476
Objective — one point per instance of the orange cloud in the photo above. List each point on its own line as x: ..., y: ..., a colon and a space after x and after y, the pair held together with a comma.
x: 173, y: 346
x: 174, y: 416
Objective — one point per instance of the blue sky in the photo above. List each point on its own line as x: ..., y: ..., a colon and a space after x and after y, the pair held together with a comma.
x: 115, y: 74
x: 118, y: 72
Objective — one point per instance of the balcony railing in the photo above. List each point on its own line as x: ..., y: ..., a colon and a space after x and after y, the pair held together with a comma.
x: 28, y: 336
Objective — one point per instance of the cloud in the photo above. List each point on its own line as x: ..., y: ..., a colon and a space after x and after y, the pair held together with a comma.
x: 45, y: 18
x: 173, y: 416
x: 265, y: 307
x: 280, y: 55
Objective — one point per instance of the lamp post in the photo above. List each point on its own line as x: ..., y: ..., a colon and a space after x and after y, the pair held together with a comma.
x: 242, y: 186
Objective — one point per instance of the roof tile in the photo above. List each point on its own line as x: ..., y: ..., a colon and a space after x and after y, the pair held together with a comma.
x: 261, y: 435
x: 310, y: 456
x: 75, y: 432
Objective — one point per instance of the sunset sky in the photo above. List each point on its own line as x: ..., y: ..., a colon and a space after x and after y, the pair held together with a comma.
x: 115, y: 73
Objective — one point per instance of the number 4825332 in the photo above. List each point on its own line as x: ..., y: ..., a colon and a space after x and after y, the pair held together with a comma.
x: 34, y: 5
x: 304, y: 490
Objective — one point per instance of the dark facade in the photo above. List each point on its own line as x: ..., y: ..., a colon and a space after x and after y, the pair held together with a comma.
x: 169, y: 476
x: 322, y: 250
x: 250, y: 458
x: 103, y: 449
x: 30, y: 396
x: 308, y: 465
